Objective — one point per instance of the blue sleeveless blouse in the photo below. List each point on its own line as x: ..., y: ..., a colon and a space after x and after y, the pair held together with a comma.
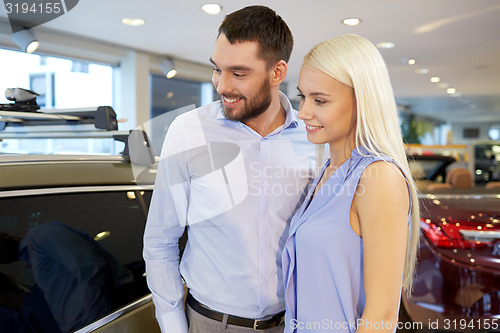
x: 323, y: 256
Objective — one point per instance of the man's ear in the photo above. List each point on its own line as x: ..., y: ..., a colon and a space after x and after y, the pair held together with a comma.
x: 279, y: 73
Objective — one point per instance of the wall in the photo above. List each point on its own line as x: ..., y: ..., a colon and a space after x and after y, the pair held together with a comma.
x: 458, y: 131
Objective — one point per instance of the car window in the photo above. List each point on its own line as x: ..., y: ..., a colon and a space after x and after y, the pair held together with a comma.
x: 69, y: 259
x: 420, y: 169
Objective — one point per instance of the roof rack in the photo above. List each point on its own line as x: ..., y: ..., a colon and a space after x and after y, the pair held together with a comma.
x: 102, y: 117
x: 137, y: 148
x: 65, y: 134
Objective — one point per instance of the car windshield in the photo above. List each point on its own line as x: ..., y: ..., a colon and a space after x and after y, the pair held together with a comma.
x: 488, y: 151
x: 429, y: 167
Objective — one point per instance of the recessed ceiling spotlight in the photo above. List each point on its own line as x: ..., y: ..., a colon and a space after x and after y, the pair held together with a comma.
x: 100, y: 236
x: 134, y: 22
x: 32, y: 47
x: 411, y: 61
x: 451, y: 90
x: 211, y: 8
x: 421, y: 71
x: 352, y: 21
x: 168, y: 68
x: 435, y: 79
x: 386, y: 45
x: 26, y: 40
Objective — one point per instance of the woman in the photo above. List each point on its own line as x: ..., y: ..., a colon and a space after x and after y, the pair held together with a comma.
x: 352, y: 245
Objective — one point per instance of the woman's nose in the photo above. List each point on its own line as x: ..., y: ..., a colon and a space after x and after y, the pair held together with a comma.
x: 304, y: 114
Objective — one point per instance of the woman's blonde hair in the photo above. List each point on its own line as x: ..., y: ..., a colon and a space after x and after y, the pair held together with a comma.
x: 356, y: 62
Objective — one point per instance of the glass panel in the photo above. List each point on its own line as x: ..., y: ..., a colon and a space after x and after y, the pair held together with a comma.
x: 62, y: 146
x: 422, y: 169
x: 487, y: 162
x: 168, y: 95
x: 68, y: 259
x: 62, y: 84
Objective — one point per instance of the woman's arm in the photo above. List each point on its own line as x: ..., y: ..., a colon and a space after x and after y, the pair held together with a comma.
x: 379, y: 214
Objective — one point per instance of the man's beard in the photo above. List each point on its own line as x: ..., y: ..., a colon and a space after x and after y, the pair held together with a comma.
x: 251, y: 108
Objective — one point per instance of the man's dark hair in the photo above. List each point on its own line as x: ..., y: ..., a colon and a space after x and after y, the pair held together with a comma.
x: 262, y: 25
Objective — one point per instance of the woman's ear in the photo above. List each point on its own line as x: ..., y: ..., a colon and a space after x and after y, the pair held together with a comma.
x: 279, y: 73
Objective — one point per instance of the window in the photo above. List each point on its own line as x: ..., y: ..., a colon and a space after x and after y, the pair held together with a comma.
x: 471, y: 133
x: 62, y: 84
x: 80, y: 258
x: 171, y: 94
x: 420, y: 169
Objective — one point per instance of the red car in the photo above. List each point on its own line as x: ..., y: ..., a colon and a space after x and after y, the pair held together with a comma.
x: 457, y: 284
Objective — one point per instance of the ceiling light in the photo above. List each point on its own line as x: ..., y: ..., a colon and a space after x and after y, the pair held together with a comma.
x: 451, y: 90
x: 386, y: 45
x: 435, y: 79
x: 352, y: 21
x: 412, y: 62
x: 211, y: 8
x: 421, y: 71
x: 100, y: 236
x: 168, y: 68
x: 134, y: 22
x: 26, y: 40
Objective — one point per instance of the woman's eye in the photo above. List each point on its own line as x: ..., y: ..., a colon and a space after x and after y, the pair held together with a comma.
x: 217, y: 70
x: 319, y: 101
x: 301, y: 96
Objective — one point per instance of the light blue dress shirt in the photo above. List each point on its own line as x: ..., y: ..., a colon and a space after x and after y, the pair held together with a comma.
x: 323, y: 256
x: 236, y: 192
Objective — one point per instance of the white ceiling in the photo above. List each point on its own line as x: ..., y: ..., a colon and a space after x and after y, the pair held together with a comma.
x: 457, y: 40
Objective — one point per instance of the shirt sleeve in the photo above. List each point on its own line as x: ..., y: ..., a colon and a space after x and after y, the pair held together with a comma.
x: 165, y: 225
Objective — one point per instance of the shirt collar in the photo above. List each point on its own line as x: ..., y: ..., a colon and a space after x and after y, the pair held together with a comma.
x: 291, y: 119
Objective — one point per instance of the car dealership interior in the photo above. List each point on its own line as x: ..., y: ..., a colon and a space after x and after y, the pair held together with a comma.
x: 88, y: 90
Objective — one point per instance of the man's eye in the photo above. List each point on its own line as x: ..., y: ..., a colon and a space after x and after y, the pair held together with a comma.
x: 217, y: 70
x: 301, y: 96
x: 238, y: 75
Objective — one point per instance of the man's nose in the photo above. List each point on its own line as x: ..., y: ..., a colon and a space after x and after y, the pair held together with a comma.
x: 223, y: 85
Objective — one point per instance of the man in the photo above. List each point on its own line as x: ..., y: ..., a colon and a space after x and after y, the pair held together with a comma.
x: 233, y: 172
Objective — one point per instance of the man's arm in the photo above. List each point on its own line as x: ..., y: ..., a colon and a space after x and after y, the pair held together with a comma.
x: 164, y: 227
